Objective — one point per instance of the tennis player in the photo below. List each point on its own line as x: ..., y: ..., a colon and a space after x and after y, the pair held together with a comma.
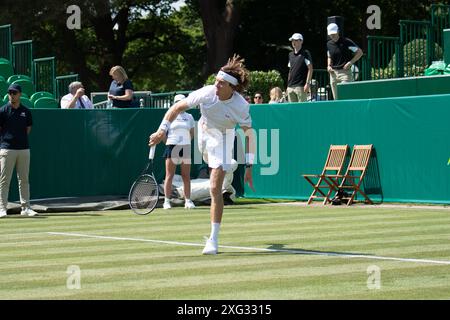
x: 222, y: 107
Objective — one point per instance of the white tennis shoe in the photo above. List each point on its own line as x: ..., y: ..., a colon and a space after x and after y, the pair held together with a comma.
x: 211, y: 247
x: 28, y: 212
x: 166, y: 205
x: 188, y: 204
x: 3, y: 213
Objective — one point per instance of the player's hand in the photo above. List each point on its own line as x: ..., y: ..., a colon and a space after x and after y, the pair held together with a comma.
x: 156, y: 138
x: 248, y: 177
x: 79, y: 93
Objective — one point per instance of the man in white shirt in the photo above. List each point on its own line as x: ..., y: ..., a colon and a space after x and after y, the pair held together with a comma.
x: 222, y: 108
x: 76, y: 99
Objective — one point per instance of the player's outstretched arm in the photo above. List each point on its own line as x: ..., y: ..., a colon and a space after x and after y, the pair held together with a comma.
x: 170, y: 116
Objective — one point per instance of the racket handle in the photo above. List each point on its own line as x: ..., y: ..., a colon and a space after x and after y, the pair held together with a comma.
x: 151, y: 153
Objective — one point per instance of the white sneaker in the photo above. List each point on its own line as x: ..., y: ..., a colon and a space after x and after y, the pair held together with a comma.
x: 188, y: 204
x: 211, y: 247
x: 3, y: 213
x: 28, y: 212
x: 166, y: 205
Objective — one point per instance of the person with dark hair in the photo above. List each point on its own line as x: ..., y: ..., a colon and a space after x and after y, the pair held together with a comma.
x: 258, y: 98
x: 15, y: 126
x: 222, y: 107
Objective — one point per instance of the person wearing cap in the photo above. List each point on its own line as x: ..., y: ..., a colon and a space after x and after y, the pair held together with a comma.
x: 178, y: 151
x: 15, y: 126
x: 342, y: 55
x: 222, y: 107
x: 76, y: 99
x: 300, y: 70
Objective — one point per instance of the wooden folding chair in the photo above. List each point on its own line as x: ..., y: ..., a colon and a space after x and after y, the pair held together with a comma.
x: 333, y: 165
x: 355, y: 173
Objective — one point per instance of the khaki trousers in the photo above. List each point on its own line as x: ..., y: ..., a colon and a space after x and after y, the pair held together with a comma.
x: 338, y: 76
x: 10, y: 159
x: 296, y: 94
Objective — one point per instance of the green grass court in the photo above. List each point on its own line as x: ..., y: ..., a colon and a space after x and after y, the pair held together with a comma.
x: 270, y: 252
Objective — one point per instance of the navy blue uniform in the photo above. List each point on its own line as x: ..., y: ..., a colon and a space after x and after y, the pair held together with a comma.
x: 118, y: 89
x: 13, y: 124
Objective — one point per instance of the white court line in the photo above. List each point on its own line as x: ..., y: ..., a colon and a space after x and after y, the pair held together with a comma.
x: 335, y: 254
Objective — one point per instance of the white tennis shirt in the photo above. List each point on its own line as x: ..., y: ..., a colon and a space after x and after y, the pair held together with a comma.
x: 179, y: 130
x: 217, y: 114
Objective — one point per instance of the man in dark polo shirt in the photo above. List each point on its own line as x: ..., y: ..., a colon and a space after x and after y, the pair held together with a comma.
x: 15, y: 126
x: 300, y: 70
x: 342, y: 55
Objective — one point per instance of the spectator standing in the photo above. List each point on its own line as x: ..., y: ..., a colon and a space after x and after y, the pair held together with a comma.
x: 276, y: 95
x: 178, y: 151
x: 342, y: 55
x: 121, y: 88
x: 300, y: 70
x: 15, y: 126
x: 76, y: 99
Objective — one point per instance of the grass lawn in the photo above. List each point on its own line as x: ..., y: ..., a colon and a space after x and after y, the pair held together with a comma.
x: 268, y: 252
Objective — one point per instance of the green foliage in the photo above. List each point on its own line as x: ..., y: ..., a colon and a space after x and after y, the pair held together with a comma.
x: 415, y: 60
x: 260, y: 81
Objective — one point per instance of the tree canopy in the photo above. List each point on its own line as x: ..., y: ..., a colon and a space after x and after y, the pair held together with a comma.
x: 163, y: 49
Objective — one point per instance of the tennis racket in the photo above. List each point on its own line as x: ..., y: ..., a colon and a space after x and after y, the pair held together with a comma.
x: 144, y: 192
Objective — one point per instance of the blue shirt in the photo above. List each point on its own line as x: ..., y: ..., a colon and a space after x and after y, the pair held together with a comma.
x: 13, y: 124
x: 118, y: 89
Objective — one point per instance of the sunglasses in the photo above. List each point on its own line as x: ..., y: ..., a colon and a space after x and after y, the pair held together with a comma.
x: 12, y: 93
x: 258, y: 97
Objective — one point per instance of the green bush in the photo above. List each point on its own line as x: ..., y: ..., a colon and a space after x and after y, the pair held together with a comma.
x: 260, y: 81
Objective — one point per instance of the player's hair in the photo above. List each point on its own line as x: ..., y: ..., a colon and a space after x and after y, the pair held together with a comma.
x: 236, y: 68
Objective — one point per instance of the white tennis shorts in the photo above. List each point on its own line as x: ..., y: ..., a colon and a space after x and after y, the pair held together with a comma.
x: 216, y: 146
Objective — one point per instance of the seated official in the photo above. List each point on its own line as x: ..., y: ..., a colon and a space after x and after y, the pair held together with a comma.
x: 76, y: 99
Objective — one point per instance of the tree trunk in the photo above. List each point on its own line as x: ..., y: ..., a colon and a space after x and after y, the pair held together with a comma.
x: 219, y: 25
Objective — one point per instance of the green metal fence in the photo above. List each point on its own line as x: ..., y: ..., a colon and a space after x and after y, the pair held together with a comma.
x: 5, y: 42
x: 22, y: 53
x: 383, y: 57
x: 416, y: 46
x: 62, y: 84
x: 44, y: 74
x: 440, y: 20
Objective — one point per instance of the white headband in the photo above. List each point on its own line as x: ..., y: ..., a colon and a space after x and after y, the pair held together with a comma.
x: 228, y: 78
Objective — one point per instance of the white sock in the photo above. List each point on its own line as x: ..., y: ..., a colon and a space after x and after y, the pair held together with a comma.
x: 166, y: 200
x: 187, y: 200
x: 215, y: 228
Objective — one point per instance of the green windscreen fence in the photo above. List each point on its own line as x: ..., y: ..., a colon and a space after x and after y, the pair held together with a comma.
x: 5, y: 42
x: 100, y: 152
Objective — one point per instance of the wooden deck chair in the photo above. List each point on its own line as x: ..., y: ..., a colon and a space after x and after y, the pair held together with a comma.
x: 323, y: 185
x: 354, y: 175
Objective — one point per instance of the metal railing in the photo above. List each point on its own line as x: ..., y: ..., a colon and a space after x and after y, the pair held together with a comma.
x: 5, y: 42
x: 416, y: 46
x: 62, y: 84
x: 44, y: 74
x: 22, y: 54
x: 440, y: 20
x: 142, y: 99
x: 383, y: 57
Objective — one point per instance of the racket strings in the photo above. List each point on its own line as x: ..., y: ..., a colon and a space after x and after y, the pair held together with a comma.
x: 144, y: 195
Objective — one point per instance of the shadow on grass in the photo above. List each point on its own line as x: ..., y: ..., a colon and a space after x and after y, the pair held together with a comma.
x: 278, y: 248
